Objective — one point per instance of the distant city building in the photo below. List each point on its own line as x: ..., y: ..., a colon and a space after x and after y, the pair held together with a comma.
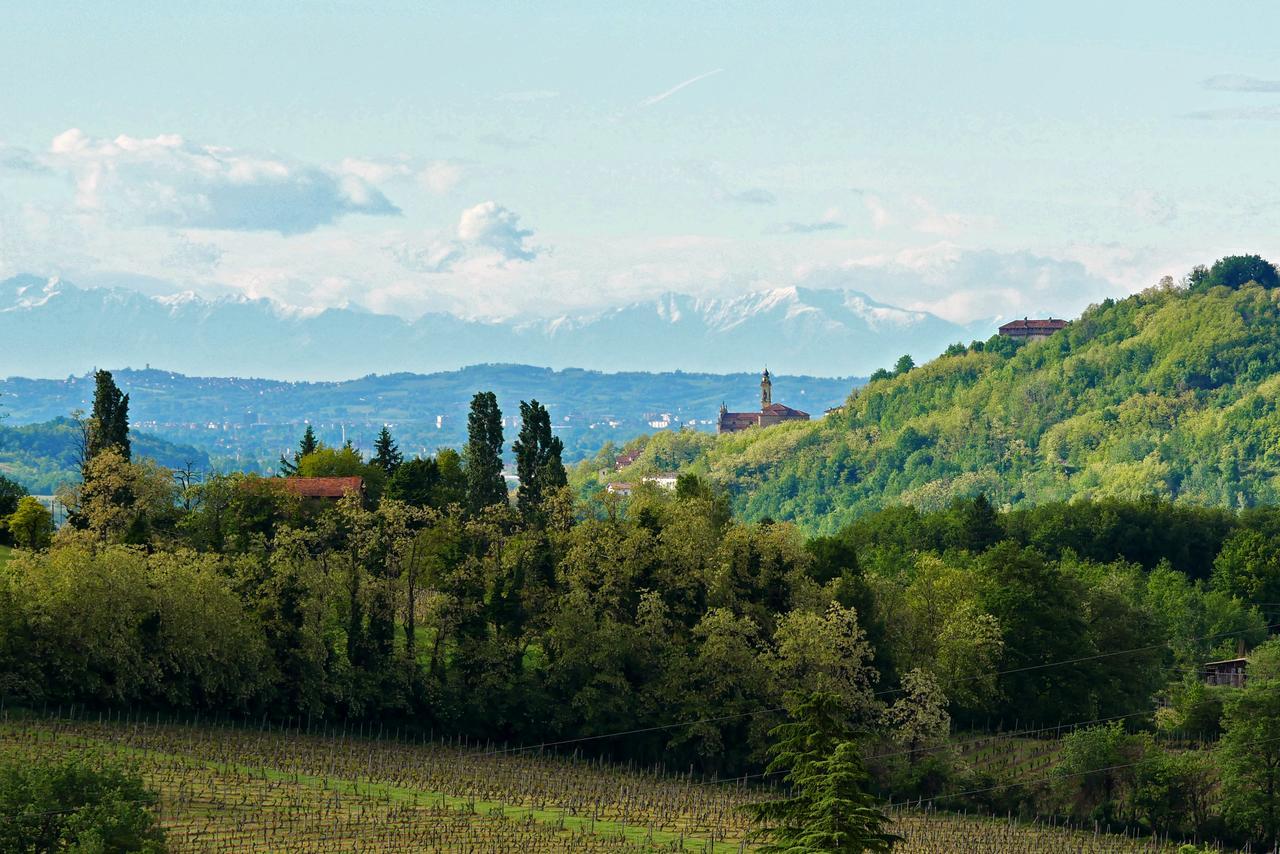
x: 1028, y: 328
x: 770, y: 413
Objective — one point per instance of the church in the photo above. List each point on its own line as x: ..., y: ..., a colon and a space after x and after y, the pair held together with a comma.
x: 770, y: 413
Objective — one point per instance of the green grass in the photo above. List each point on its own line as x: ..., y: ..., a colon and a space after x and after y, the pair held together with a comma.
x: 5, y: 551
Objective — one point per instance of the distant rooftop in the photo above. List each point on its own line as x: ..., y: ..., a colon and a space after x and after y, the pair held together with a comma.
x: 323, y: 487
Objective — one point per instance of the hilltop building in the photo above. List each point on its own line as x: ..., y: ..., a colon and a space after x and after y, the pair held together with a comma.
x: 770, y: 413
x: 1031, y: 329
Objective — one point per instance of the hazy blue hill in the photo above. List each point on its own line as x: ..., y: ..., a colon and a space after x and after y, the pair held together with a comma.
x: 247, y: 423
x: 1166, y: 393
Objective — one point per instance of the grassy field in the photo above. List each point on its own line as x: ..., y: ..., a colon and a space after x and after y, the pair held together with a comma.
x: 234, y: 789
x: 5, y: 551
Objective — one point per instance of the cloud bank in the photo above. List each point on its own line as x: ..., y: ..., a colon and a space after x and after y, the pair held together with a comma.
x: 169, y: 181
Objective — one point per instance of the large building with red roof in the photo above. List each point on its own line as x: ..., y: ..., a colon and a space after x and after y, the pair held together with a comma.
x: 1029, y: 328
x: 770, y: 413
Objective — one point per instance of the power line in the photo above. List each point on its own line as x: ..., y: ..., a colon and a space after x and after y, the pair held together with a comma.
x: 881, y: 693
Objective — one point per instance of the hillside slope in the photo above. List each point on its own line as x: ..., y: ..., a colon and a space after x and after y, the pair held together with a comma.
x: 43, y: 456
x: 1168, y: 392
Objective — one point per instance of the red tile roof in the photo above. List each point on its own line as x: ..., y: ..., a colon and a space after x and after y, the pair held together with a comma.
x: 779, y: 409
x: 1049, y: 325
x: 323, y: 487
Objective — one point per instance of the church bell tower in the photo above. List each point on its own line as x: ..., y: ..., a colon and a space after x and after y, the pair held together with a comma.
x: 766, y: 390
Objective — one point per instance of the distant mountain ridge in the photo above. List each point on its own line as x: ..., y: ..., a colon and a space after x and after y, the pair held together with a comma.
x: 53, y: 328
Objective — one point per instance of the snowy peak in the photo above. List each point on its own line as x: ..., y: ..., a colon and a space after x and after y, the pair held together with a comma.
x: 816, y: 331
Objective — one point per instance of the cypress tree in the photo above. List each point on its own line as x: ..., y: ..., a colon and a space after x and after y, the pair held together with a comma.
x: 538, y: 459
x: 109, y: 427
x: 483, y: 455
x: 387, y: 454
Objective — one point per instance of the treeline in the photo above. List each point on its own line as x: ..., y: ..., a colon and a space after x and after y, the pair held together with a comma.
x: 657, y: 627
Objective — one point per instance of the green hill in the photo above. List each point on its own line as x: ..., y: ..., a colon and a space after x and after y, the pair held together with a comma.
x: 42, y: 456
x: 1170, y: 392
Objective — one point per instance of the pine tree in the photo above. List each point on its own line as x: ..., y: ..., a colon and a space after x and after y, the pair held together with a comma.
x: 386, y: 455
x: 827, y: 808
x: 538, y: 459
x: 109, y: 425
x: 483, y: 456
x: 308, y: 445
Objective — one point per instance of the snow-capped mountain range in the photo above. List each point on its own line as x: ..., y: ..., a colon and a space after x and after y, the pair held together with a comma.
x: 51, y: 328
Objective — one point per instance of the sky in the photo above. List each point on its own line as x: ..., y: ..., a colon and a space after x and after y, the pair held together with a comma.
x: 977, y: 160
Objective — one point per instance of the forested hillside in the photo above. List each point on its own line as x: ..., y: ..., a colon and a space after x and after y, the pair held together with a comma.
x: 44, y: 456
x: 1171, y: 392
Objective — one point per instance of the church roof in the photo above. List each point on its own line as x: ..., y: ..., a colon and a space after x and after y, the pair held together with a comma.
x: 779, y: 409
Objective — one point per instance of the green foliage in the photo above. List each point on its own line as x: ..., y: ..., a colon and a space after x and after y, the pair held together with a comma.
x: 1235, y: 271
x: 76, y: 805
x: 109, y: 423
x: 1249, y: 567
x: 1167, y: 393
x: 483, y: 455
x: 42, y: 457
x: 31, y: 525
x: 1093, y: 766
x: 11, y: 493
x: 1249, y: 757
x: 538, y: 463
x: 827, y: 808
x: 387, y: 456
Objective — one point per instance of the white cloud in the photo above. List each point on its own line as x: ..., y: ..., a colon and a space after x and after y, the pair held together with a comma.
x: 166, y: 180
x: 492, y: 226
x: 880, y: 216
x: 487, y: 232
x: 440, y: 176
x: 188, y: 254
x: 1241, y: 83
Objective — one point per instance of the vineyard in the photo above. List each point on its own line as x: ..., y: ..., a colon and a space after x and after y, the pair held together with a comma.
x: 262, y: 789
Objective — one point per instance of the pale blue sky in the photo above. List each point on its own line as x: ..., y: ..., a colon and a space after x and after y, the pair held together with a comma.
x: 976, y: 159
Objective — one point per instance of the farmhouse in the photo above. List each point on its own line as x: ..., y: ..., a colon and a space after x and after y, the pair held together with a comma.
x: 1232, y: 672
x: 1033, y: 329
x: 770, y: 413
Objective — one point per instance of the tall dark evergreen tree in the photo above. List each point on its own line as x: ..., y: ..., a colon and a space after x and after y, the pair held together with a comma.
x: 308, y: 445
x: 483, y: 456
x: 386, y: 454
x: 827, y: 807
x: 109, y: 427
x: 538, y: 462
